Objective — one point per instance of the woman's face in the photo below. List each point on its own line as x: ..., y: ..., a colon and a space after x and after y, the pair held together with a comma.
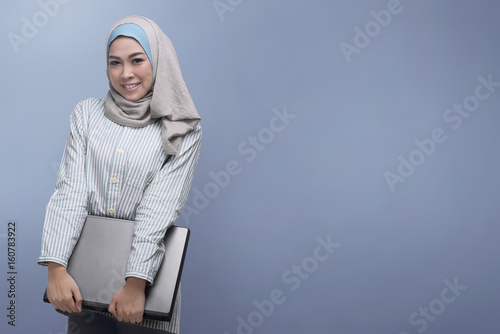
x: 129, y: 68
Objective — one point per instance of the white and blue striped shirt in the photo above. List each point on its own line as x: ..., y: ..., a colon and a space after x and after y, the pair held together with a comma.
x: 116, y: 171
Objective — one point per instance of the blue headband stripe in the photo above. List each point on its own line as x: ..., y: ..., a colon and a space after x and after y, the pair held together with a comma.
x: 134, y: 31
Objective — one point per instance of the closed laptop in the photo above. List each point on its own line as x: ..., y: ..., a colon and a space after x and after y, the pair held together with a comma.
x: 99, y: 261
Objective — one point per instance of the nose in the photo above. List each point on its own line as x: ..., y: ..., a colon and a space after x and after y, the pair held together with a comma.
x: 127, y: 72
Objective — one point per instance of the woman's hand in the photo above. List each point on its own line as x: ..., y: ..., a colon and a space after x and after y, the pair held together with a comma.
x: 62, y: 291
x: 128, y: 303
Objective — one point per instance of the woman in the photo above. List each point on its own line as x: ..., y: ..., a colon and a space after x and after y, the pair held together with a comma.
x: 114, y: 165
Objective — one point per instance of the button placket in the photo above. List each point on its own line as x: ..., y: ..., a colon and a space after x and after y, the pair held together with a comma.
x: 116, y: 173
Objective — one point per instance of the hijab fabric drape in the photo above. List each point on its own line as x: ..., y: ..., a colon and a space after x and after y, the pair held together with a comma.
x: 169, y: 98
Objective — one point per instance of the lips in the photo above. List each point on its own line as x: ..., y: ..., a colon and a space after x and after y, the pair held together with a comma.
x: 131, y: 87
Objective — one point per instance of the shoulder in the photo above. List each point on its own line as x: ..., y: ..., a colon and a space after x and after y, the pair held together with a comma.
x: 90, y: 105
x: 197, y: 129
x: 191, y: 140
x: 85, y: 110
x: 195, y: 134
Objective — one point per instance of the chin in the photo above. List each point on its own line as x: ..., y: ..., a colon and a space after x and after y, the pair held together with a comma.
x: 132, y: 97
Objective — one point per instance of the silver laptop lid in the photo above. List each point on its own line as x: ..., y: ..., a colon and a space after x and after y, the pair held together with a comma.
x: 100, y: 257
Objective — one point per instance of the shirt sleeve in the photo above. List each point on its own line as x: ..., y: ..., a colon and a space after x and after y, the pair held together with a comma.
x: 66, y: 210
x: 160, y: 206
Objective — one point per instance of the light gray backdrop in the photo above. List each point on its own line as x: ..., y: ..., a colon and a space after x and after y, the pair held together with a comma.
x: 348, y: 181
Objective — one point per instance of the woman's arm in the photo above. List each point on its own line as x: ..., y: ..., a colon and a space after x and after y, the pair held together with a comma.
x: 67, y: 208
x: 64, y: 217
x: 160, y: 206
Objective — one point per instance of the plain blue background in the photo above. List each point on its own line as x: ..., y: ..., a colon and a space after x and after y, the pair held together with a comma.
x: 321, y: 175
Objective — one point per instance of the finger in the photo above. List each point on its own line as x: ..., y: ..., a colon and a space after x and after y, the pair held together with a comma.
x: 52, y: 299
x: 63, y: 300
x: 127, y: 317
x: 139, y: 316
x: 120, y: 315
x: 59, y: 305
x: 136, y: 317
x: 112, y: 307
x: 133, y: 319
x: 70, y: 303
x: 78, y: 298
x: 64, y: 308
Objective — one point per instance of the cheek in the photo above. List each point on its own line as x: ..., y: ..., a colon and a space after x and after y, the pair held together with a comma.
x: 148, y: 76
x: 150, y: 82
x: 113, y: 76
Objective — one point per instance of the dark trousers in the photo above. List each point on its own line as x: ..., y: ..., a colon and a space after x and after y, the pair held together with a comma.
x: 86, y: 322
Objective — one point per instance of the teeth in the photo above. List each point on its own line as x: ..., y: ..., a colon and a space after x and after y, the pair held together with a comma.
x: 131, y: 86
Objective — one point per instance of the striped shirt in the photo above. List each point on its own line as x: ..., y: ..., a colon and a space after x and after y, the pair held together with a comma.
x: 116, y: 171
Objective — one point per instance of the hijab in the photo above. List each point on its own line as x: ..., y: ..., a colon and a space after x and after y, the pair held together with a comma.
x: 168, y: 99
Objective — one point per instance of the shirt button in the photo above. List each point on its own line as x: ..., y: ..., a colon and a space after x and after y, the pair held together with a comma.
x: 129, y: 127
x: 119, y: 150
x: 111, y: 211
x: 114, y: 180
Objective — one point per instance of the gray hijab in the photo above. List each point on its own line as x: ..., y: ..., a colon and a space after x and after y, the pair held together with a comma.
x: 169, y: 98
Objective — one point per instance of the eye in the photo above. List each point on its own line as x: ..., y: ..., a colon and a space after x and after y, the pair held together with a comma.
x: 114, y: 63
x: 137, y: 60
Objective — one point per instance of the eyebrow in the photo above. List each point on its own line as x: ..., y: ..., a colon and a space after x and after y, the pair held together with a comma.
x: 131, y: 56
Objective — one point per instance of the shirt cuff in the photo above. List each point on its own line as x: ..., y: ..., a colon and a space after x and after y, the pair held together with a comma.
x: 149, y: 279
x: 44, y: 261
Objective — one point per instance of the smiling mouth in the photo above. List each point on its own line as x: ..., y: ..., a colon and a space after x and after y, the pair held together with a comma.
x: 131, y: 87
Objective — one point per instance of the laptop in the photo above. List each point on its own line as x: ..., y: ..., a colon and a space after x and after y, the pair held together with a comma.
x: 99, y: 261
